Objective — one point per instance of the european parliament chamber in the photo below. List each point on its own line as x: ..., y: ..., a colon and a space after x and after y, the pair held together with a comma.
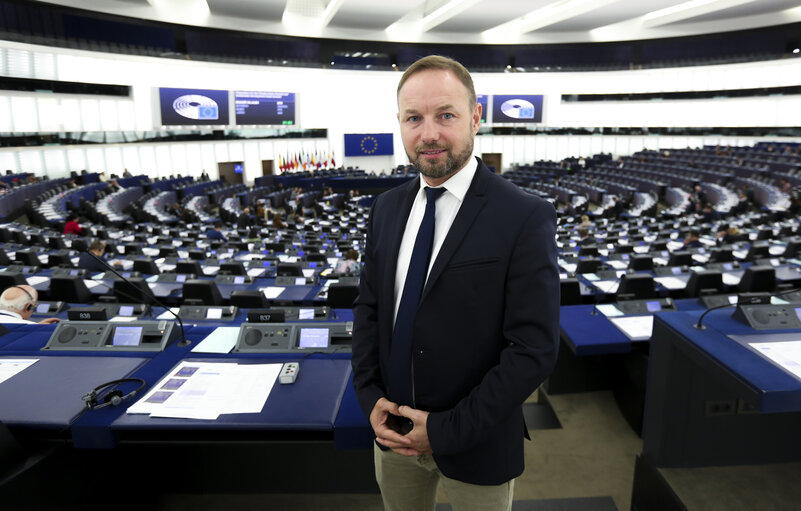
x: 184, y: 212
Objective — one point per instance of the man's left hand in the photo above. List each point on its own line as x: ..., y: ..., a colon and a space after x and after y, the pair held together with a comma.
x: 418, y: 435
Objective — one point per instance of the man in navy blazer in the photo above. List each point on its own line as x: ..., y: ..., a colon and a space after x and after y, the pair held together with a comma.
x: 485, y: 331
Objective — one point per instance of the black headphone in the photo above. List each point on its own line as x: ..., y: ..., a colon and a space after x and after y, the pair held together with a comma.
x: 30, y: 305
x: 114, y: 397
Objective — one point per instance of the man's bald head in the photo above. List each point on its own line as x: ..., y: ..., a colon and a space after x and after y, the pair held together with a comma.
x: 17, y: 299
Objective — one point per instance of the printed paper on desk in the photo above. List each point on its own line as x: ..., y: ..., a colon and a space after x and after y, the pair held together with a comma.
x: 308, y: 272
x: 272, y: 292
x: 636, y: 328
x: 607, y: 286
x: 221, y: 340
x: 36, y: 279
x: 12, y: 366
x: 730, y: 279
x: 786, y: 354
x: 91, y: 284
x: 256, y: 272
x: 211, y: 270
x: 671, y: 283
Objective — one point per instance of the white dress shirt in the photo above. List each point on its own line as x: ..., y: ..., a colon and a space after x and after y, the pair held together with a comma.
x: 7, y: 316
x: 447, y: 207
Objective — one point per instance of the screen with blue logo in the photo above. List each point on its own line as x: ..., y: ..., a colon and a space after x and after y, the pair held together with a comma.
x: 369, y: 144
x: 186, y: 107
x: 516, y: 108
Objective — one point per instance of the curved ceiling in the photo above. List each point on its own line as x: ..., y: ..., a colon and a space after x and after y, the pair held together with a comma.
x: 462, y: 21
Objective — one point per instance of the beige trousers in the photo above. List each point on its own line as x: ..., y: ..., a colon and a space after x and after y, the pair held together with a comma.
x: 409, y: 483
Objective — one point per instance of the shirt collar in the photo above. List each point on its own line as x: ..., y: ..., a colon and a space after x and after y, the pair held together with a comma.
x: 458, y: 183
x: 11, y: 313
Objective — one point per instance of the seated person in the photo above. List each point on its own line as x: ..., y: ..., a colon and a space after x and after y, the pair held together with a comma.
x: 72, y: 227
x: 18, y: 303
x: 731, y: 236
x: 244, y: 219
x: 693, y: 240
x: 349, y: 265
x: 216, y: 232
x: 585, y: 238
x: 87, y: 262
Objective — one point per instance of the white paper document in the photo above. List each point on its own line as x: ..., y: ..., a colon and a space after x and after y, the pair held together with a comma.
x: 636, y: 328
x: 91, y: 284
x: 731, y: 279
x: 221, y: 340
x: 609, y: 310
x: 272, y: 292
x: 308, y: 272
x: 786, y: 354
x: 205, y: 390
x: 167, y: 315
x: 256, y: 272
x: 607, y: 286
x: 671, y: 282
x: 618, y: 265
x: 210, y: 270
x: 12, y: 366
x: 36, y: 279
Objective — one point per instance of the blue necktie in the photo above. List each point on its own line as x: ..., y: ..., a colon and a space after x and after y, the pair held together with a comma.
x: 400, y: 357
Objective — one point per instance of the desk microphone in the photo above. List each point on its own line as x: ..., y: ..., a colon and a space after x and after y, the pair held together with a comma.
x: 158, y: 302
x: 700, y: 324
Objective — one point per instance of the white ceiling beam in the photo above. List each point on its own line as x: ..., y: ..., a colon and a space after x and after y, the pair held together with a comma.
x: 688, y: 10
x: 445, y: 12
x: 331, y: 10
x: 550, y: 14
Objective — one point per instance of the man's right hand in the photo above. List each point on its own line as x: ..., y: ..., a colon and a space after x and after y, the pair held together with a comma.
x: 384, y: 434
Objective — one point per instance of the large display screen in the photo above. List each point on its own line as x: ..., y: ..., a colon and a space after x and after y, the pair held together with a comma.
x: 483, y: 100
x: 254, y: 107
x: 516, y: 108
x: 182, y: 107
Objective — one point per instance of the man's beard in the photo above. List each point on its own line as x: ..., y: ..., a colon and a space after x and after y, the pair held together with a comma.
x: 440, y: 169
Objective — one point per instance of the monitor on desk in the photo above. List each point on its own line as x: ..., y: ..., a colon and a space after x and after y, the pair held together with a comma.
x: 126, y: 310
x: 180, y: 277
x: 127, y: 336
x: 314, y: 338
x: 214, y: 313
x: 43, y: 308
x: 239, y: 279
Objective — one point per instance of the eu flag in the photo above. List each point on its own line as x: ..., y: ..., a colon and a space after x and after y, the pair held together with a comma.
x: 368, y: 144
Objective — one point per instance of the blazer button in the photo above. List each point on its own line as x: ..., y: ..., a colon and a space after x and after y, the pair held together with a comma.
x: 421, y: 351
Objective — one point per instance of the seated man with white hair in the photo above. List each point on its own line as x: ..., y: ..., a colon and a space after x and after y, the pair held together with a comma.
x: 17, y: 305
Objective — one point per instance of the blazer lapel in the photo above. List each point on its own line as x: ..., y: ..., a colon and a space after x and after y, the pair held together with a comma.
x: 474, y: 201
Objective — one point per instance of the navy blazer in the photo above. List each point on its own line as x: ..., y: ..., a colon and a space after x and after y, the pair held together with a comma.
x: 486, y: 332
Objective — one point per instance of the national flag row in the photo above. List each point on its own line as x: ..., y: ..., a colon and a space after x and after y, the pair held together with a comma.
x: 307, y: 161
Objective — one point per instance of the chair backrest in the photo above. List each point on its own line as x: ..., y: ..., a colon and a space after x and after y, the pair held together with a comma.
x: 721, y: 255
x: 10, y: 279
x: 135, y: 290
x: 4, y: 260
x: 590, y: 265
x: 189, y: 267
x: 204, y: 290
x: 680, y: 259
x: 70, y: 289
x: 341, y: 296
x: 27, y: 257
x: 703, y: 282
x: 758, y: 279
x: 641, y: 263
x: 233, y: 268
x: 758, y: 251
x: 636, y: 285
x: 569, y: 292
x: 146, y: 266
x: 289, y: 270
x: 793, y: 248
x: 249, y: 299
x: 589, y: 250
x: 59, y: 259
